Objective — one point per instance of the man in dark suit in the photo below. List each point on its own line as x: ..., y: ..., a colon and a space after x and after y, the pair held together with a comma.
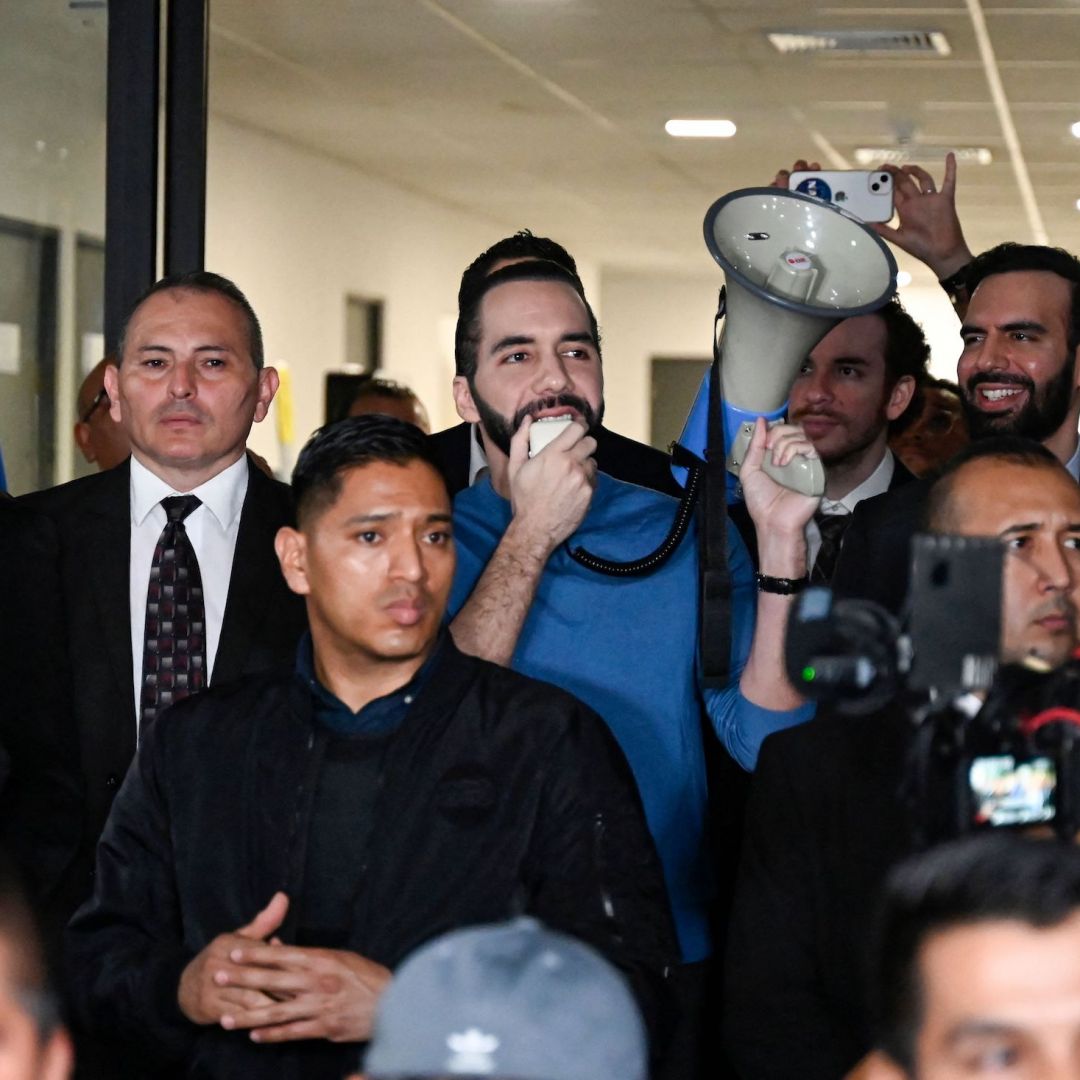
x: 461, y: 450
x: 860, y: 378
x: 40, y: 797
x: 1019, y: 373
x: 189, y: 383
x: 827, y: 819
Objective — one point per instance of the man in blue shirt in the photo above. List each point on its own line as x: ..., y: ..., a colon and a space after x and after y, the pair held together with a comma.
x: 527, y: 349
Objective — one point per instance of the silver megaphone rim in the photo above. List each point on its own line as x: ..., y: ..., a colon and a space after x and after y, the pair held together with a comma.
x: 783, y: 301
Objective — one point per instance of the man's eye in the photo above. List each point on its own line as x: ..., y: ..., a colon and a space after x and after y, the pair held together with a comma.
x: 153, y: 362
x: 215, y: 361
x: 804, y: 369
x: 368, y: 537
x: 1072, y: 543
x: 1018, y: 543
x: 515, y: 358
x: 439, y: 538
x: 849, y: 372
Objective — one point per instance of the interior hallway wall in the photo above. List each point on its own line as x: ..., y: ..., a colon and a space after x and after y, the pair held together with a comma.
x: 300, y: 231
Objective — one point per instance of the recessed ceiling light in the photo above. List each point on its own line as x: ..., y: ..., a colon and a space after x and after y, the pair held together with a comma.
x: 700, y: 129
x: 903, y: 278
x: 1078, y: 204
x: 1075, y: 129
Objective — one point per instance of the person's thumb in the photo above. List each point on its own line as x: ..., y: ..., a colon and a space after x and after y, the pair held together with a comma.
x: 268, y: 920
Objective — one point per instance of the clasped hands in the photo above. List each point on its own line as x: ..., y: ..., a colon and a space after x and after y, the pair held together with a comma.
x: 248, y: 980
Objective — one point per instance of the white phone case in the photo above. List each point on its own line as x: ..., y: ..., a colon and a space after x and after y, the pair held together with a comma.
x: 868, y: 195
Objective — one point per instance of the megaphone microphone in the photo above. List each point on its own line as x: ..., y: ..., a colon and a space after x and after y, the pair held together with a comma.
x: 794, y: 267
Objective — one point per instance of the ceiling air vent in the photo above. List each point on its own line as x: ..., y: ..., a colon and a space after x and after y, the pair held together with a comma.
x: 924, y: 42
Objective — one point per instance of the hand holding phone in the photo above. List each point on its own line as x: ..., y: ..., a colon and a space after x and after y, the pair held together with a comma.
x: 864, y: 194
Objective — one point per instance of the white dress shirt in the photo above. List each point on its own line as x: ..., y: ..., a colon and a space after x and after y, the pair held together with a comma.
x: 478, y: 461
x: 212, y: 529
x: 1073, y: 464
x: 875, y: 484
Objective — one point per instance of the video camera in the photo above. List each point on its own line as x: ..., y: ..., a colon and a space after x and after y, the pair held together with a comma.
x: 1012, y: 761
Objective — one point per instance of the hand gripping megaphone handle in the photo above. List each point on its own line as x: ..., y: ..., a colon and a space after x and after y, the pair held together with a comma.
x: 802, y: 474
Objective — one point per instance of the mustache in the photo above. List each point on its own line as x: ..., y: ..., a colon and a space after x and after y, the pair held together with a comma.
x: 181, y: 408
x: 559, y: 401
x: 825, y: 414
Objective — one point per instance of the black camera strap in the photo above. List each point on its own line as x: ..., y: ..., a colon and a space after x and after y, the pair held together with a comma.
x: 714, y: 636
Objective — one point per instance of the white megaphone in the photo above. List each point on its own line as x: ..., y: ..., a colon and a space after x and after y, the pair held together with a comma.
x: 794, y: 268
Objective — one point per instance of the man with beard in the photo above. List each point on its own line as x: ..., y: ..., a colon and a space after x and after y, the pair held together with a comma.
x: 856, y: 381
x: 828, y: 816
x: 527, y: 350
x: 1018, y: 375
x: 462, y: 450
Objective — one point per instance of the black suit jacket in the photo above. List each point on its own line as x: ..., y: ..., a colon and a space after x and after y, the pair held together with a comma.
x: 262, y: 623
x: 875, y: 560
x: 825, y: 823
x: 741, y: 517
x: 40, y: 798
x: 616, y: 455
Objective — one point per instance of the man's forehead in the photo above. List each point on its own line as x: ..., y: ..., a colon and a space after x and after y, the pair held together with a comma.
x: 1018, y: 293
x: 522, y: 300
x: 989, y: 496
x: 862, y: 337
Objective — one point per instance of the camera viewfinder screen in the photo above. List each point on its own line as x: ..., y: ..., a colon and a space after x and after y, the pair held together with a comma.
x: 1010, y: 792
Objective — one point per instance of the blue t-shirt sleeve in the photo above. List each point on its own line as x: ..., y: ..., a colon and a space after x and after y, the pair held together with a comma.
x: 740, y: 724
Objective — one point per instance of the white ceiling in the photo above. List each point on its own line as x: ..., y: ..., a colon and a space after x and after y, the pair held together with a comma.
x: 550, y: 113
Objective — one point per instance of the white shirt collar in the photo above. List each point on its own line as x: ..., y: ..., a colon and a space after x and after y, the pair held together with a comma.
x: 875, y: 484
x: 477, y: 458
x: 223, y: 494
x: 1073, y: 464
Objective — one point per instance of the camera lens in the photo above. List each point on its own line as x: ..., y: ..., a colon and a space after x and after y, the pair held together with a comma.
x: 874, y: 186
x: 884, y: 178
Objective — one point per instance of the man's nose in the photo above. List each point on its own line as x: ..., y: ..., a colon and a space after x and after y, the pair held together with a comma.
x: 406, y: 562
x: 817, y: 387
x: 552, y: 377
x: 1055, y: 569
x: 992, y: 353
x: 182, y: 380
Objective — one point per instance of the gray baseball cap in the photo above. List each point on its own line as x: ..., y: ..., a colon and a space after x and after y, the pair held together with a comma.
x: 513, y: 1000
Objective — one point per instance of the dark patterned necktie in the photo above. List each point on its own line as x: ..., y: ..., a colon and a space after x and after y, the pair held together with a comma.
x: 174, y: 649
x: 832, y: 528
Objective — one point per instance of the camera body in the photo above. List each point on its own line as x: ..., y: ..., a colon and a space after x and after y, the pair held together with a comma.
x: 864, y: 194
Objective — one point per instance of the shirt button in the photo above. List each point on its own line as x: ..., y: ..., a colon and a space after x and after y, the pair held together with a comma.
x: 112, y: 781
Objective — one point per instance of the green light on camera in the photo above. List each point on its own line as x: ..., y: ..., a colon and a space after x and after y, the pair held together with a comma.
x: 809, y: 674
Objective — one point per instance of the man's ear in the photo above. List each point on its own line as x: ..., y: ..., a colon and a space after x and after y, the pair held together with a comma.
x: 900, y: 397
x: 268, y: 387
x: 82, y: 440
x: 112, y: 388
x: 463, y: 399
x: 58, y: 1057
x: 291, y: 547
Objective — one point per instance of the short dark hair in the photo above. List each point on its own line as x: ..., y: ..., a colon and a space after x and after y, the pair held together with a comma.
x: 979, y: 879
x: 907, y: 352
x: 467, y: 332
x: 201, y: 281
x: 1009, y: 258
x: 374, y: 386
x: 1010, y: 449
x: 521, y: 246
x: 350, y: 444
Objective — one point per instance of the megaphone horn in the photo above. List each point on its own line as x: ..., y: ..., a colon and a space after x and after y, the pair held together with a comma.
x: 794, y: 267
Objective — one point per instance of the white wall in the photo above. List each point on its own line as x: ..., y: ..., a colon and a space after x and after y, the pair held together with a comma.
x: 299, y: 232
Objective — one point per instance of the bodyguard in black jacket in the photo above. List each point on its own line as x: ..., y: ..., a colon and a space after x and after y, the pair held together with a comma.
x: 388, y: 790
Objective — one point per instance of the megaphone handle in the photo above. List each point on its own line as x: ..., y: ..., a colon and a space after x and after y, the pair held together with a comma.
x: 802, y: 474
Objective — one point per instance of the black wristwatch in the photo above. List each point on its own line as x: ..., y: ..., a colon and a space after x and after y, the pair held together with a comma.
x: 782, y: 586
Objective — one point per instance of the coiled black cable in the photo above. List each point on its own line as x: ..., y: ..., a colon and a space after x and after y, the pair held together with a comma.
x: 655, y: 559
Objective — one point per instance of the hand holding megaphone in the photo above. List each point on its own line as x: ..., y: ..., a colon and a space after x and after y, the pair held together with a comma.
x: 773, y: 453
x: 794, y: 267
